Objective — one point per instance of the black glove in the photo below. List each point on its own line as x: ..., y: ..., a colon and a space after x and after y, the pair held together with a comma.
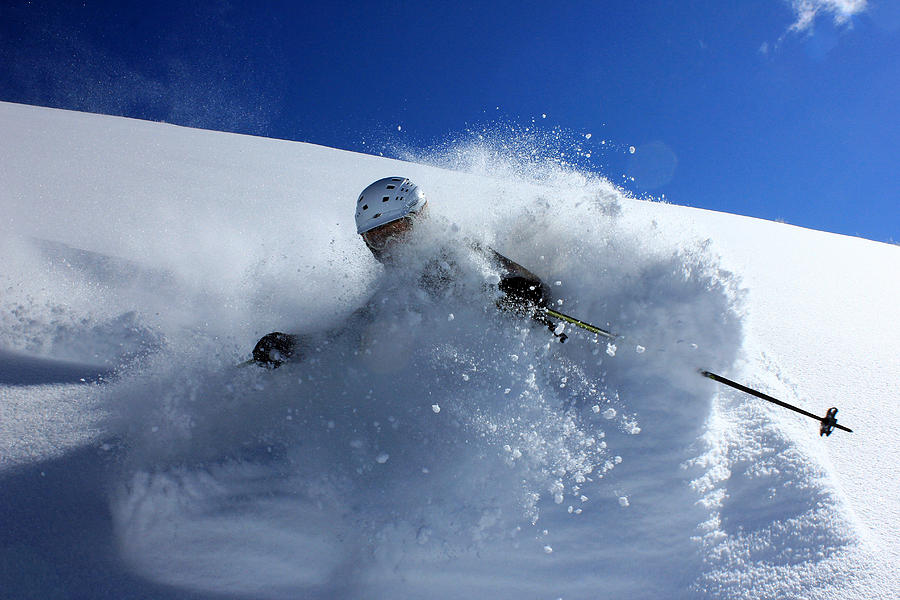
x: 521, y: 295
x: 273, y: 349
x: 527, y: 297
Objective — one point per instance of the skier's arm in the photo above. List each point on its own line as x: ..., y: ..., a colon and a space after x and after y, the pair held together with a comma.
x: 523, y: 292
x: 276, y: 348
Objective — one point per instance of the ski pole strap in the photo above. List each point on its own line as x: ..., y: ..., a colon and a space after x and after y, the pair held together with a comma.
x: 828, y: 422
x: 578, y: 323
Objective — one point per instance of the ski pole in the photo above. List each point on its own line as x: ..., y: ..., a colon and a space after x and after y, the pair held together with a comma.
x: 829, y: 421
x: 579, y: 323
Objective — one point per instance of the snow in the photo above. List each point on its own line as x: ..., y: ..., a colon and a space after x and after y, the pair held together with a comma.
x: 141, y: 262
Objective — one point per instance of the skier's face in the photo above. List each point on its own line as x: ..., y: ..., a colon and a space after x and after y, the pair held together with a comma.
x: 388, y: 234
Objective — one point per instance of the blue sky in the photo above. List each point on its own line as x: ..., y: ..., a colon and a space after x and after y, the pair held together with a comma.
x: 780, y: 109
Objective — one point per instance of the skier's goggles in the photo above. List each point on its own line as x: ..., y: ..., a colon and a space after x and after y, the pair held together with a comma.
x: 381, y: 236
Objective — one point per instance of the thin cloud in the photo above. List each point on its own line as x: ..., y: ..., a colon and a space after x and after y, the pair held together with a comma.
x: 808, y: 10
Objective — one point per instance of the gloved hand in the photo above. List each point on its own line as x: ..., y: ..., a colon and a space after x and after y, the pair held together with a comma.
x: 527, y: 297
x: 273, y: 349
x: 521, y: 295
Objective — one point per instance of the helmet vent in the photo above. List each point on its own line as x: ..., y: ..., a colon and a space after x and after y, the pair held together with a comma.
x: 386, y: 198
x: 390, y: 187
x: 365, y: 207
x: 376, y: 215
x: 396, y: 179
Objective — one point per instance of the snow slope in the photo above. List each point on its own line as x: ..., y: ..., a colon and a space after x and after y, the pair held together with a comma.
x: 442, y: 450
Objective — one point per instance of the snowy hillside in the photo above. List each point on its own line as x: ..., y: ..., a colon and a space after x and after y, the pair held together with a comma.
x: 456, y: 452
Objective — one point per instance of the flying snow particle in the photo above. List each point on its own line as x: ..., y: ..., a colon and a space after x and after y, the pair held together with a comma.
x: 548, y: 549
x: 436, y: 408
x: 640, y: 349
x: 623, y: 501
x: 382, y: 458
x: 611, y: 349
x: 400, y: 128
x: 450, y: 317
x: 595, y: 408
x: 609, y: 413
x: 544, y: 116
x: 632, y: 149
x: 587, y: 136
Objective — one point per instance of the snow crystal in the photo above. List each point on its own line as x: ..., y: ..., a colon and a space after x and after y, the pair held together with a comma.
x: 450, y: 317
x: 639, y: 349
x: 436, y: 408
x: 595, y: 408
x: 623, y: 501
x: 609, y: 413
x: 611, y: 349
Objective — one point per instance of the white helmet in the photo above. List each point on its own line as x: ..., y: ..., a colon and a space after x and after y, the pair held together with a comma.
x: 387, y: 200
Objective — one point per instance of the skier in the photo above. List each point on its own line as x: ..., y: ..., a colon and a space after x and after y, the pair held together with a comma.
x: 387, y: 211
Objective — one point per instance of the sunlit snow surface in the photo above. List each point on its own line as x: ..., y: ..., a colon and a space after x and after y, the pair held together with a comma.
x: 440, y: 449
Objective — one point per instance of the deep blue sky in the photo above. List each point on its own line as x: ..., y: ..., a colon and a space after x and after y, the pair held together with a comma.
x: 728, y: 108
